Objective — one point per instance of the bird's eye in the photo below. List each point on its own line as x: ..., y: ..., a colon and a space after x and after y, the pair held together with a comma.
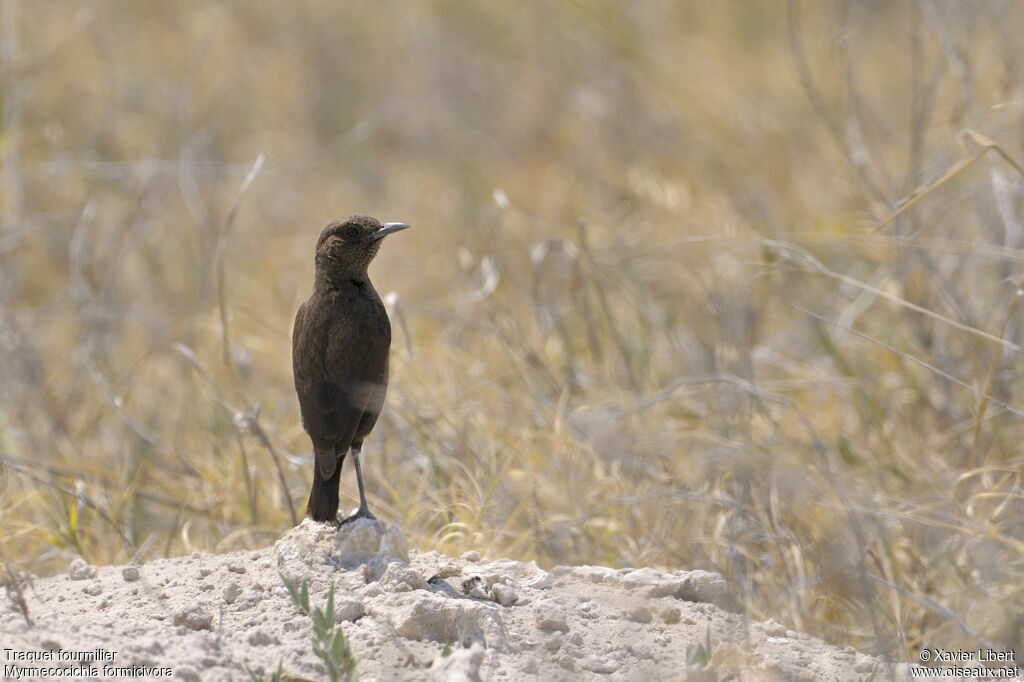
x: 352, y: 232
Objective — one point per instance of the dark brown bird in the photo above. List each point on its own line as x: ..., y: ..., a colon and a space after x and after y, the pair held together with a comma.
x: 340, y: 349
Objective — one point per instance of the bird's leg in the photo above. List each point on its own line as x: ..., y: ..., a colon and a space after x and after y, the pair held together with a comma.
x: 363, y: 512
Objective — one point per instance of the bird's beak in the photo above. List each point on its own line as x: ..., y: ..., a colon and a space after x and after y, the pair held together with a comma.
x: 388, y: 228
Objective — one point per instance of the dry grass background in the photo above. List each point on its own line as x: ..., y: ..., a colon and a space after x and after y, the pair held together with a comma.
x: 641, y: 317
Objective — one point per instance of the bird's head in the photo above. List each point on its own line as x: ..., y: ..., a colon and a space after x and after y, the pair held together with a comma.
x: 347, y: 246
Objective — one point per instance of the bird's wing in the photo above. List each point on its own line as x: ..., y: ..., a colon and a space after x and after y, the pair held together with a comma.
x: 327, y: 413
x: 361, y: 347
x: 340, y: 367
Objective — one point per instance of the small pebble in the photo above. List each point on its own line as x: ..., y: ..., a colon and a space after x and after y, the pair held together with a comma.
x: 602, y: 665
x: 231, y: 592
x: 193, y: 619
x: 504, y: 595
x: 79, y: 570
x: 260, y: 638
x: 640, y: 614
x: 551, y: 615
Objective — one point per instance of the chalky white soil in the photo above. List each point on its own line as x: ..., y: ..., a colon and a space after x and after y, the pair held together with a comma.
x: 216, y: 617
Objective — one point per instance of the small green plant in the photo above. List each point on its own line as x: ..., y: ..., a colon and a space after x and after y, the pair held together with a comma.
x: 461, y: 640
x: 701, y: 655
x: 14, y: 583
x: 329, y: 642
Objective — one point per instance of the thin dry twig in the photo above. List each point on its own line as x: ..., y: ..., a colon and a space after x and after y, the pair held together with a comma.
x: 14, y: 583
x: 986, y: 145
x: 856, y: 158
x: 78, y: 494
x: 10, y: 117
x: 809, y: 262
x: 222, y: 241
x: 976, y: 391
x: 30, y: 466
x: 251, y: 422
x: 937, y: 608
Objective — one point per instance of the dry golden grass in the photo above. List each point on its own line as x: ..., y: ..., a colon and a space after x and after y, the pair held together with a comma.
x: 642, y: 317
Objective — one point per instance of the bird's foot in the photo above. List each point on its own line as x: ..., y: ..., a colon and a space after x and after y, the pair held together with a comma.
x: 362, y: 513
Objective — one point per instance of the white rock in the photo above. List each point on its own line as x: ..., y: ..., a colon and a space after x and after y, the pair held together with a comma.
x: 259, y: 637
x: 231, y: 592
x: 432, y: 617
x: 541, y: 582
x: 645, y: 577
x: 462, y: 665
x: 592, y: 574
x: 394, y: 543
x: 349, y: 610
x: 364, y: 538
x: 503, y: 594
x: 703, y: 586
x: 639, y: 614
x: 79, y: 570
x: 505, y: 569
x: 774, y: 629
x: 397, y: 574
x: 362, y: 542
x: 551, y: 615
x: 671, y: 615
x: 554, y: 642
x: 694, y: 586
x: 194, y: 619
x: 599, y: 664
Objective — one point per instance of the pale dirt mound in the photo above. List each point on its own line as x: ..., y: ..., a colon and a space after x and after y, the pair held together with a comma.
x: 213, y: 617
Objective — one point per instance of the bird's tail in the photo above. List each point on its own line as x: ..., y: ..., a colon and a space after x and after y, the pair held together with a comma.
x: 323, y: 498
